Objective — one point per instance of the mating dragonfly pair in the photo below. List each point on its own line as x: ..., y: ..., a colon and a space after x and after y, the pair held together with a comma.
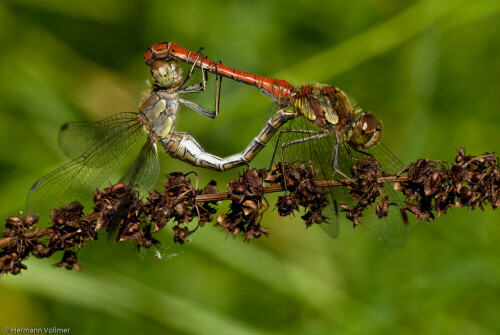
x: 322, y: 126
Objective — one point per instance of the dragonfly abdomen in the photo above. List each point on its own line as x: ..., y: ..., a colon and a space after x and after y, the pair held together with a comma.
x: 276, y: 89
x: 184, y: 147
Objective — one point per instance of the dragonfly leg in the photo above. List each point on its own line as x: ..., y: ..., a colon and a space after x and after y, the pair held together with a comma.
x: 336, y: 155
x: 201, y: 87
x: 349, y: 152
x: 315, y: 135
x: 202, y: 110
x: 185, y: 147
x: 190, y: 73
x: 218, y: 88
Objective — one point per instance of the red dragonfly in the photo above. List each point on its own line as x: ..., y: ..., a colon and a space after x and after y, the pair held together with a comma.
x: 320, y: 118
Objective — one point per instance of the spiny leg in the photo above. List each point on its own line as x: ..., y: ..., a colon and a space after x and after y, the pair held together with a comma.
x: 284, y: 145
x: 349, y: 153
x: 336, y: 154
x: 196, y: 88
x: 200, y: 109
x: 189, y: 74
x: 315, y: 136
x: 218, y: 89
x: 201, y: 87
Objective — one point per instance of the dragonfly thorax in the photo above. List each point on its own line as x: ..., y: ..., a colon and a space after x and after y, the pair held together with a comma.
x: 326, y: 105
x: 157, y: 114
x: 330, y: 108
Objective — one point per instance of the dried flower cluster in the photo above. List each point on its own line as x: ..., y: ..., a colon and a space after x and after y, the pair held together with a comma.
x: 246, y: 193
x: 68, y: 230
x: 302, y: 190
x: 434, y: 186
x: 429, y: 186
x: 117, y: 209
x: 365, y: 191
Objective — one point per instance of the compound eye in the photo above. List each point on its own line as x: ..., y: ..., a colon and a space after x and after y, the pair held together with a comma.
x: 368, y: 123
x: 162, y: 73
x: 366, y: 132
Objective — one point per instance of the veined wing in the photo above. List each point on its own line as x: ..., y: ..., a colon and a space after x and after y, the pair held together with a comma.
x: 78, y: 179
x: 144, y: 172
x: 391, y: 229
x: 320, y: 151
x: 139, y: 178
x: 77, y: 137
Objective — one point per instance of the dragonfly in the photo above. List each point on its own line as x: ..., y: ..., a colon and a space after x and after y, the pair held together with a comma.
x: 97, y: 148
x: 323, y: 125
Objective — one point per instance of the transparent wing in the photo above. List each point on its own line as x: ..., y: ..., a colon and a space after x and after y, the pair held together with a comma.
x: 139, y: 177
x: 144, y: 172
x: 319, y: 152
x: 78, y: 179
x: 392, y: 229
x: 77, y: 137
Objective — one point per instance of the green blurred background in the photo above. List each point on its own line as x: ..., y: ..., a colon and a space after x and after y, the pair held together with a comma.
x: 428, y: 69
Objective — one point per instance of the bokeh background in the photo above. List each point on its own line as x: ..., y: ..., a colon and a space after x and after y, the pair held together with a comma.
x: 428, y: 69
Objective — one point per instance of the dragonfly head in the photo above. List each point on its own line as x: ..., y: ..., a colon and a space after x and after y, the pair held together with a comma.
x: 166, y: 73
x: 365, y: 132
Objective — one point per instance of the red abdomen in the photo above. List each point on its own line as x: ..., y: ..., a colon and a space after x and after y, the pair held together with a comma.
x: 279, y: 90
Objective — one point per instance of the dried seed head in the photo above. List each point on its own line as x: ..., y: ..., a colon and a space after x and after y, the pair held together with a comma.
x: 286, y: 205
x: 69, y: 261
x: 117, y: 188
x: 475, y: 177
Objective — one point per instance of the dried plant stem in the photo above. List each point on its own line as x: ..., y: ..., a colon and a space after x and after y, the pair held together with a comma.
x: 7, y: 242
x: 280, y: 188
x: 11, y: 240
x: 430, y: 188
